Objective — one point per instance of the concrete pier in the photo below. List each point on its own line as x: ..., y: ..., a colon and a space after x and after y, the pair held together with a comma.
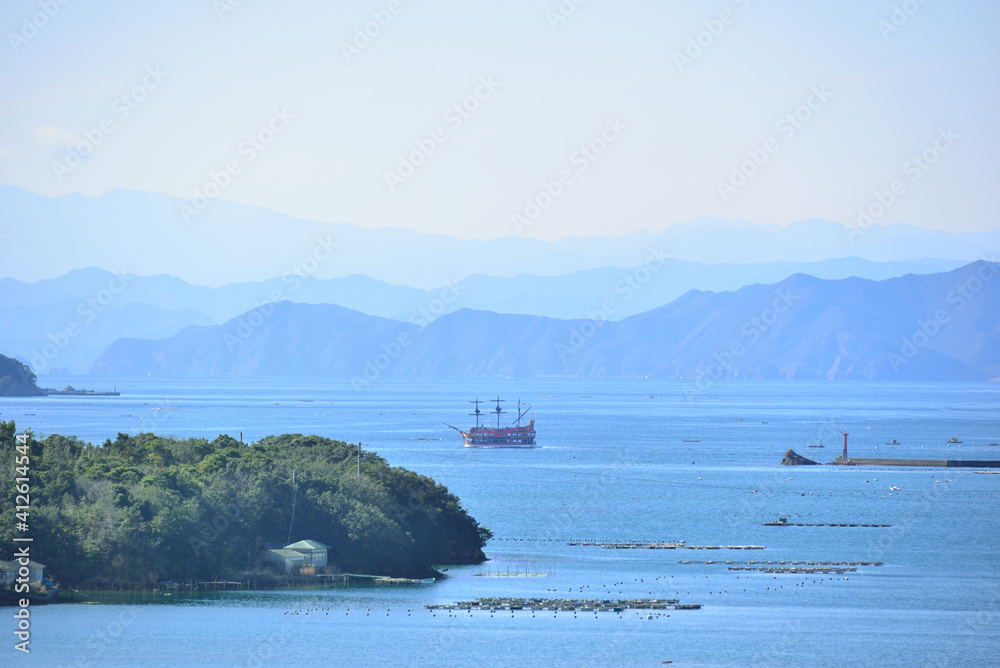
x: 937, y: 463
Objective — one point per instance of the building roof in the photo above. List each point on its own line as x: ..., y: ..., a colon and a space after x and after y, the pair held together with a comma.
x: 14, y: 565
x: 307, y: 545
x: 288, y: 554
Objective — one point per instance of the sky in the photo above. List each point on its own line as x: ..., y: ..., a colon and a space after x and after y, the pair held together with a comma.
x: 494, y: 118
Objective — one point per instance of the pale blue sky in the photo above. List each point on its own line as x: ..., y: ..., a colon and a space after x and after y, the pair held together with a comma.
x: 684, y: 131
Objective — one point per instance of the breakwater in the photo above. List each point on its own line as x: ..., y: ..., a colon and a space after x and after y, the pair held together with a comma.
x: 935, y: 463
x: 792, y: 458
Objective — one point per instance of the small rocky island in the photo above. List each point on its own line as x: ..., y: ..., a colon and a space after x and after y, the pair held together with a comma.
x: 793, y: 458
x: 69, y: 390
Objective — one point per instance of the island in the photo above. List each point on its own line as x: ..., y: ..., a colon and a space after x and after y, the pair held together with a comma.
x: 149, y: 511
x: 793, y: 458
x: 18, y: 380
x: 71, y: 391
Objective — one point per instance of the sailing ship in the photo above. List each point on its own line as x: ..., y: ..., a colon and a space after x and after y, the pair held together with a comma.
x: 482, y: 436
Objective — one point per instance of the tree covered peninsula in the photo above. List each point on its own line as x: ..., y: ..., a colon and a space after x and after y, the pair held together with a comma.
x: 145, y: 509
x: 17, y: 380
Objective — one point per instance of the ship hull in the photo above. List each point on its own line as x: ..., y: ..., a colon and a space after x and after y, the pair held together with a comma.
x: 515, y: 437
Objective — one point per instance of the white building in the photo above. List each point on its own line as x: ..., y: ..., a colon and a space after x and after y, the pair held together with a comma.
x: 290, y: 559
x: 315, y: 551
x: 9, y: 571
x: 303, y: 554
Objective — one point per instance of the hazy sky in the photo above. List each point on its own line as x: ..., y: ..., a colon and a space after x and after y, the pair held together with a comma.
x: 667, y: 119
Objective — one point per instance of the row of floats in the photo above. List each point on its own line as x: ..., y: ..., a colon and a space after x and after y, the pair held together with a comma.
x: 668, y: 546
x: 494, y: 604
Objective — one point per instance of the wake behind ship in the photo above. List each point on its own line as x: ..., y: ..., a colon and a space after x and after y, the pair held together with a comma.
x: 482, y: 436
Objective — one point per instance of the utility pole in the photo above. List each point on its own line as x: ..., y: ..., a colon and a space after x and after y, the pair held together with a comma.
x: 292, y: 521
x: 359, y: 459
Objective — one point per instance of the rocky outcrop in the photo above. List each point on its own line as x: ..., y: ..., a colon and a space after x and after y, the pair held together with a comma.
x: 792, y: 458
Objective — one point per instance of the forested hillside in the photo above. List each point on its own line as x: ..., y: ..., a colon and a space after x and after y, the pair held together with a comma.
x: 16, y: 379
x: 143, y: 509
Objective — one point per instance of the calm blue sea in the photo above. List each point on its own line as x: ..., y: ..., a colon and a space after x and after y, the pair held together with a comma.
x: 612, y: 466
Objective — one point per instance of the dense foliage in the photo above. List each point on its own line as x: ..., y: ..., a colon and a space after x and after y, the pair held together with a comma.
x: 16, y: 379
x: 144, y: 508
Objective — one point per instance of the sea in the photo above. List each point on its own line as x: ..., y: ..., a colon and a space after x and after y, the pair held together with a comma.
x: 618, y: 460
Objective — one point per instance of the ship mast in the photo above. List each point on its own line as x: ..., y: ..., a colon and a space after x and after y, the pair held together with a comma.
x: 498, y: 411
x: 478, y: 412
x: 520, y: 413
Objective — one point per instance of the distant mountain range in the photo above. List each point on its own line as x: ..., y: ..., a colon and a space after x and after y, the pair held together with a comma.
x: 144, y: 233
x: 101, y: 306
x: 943, y: 326
x: 62, y: 324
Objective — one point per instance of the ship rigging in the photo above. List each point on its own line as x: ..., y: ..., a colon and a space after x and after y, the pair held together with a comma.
x: 482, y: 436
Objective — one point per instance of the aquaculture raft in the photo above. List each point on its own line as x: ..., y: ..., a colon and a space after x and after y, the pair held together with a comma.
x: 783, y: 522
x: 566, y: 604
x: 666, y: 546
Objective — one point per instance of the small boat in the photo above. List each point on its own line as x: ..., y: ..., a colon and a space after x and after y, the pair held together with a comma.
x: 780, y: 522
x: 954, y: 439
x: 690, y: 440
x: 892, y: 442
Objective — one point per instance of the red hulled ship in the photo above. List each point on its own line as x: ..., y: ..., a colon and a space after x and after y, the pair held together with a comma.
x: 482, y: 436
